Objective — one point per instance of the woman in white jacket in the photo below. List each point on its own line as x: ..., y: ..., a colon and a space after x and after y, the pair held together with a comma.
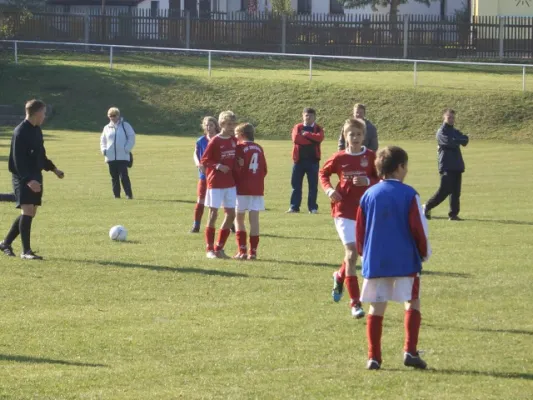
x: 116, y: 143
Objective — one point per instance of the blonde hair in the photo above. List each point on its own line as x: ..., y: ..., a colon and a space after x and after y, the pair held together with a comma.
x: 359, y: 106
x: 247, y: 130
x: 209, y: 119
x: 226, y: 116
x: 113, y: 110
x: 357, y: 123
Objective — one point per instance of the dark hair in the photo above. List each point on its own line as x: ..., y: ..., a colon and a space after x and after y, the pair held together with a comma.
x: 448, y: 110
x: 389, y: 159
x: 34, y: 106
x: 247, y: 130
x: 309, y: 110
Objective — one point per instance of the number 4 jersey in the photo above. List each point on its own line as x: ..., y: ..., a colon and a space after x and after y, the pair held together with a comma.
x: 250, y: 176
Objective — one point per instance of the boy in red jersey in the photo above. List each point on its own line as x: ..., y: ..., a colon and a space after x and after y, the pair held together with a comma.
x: 356, y: 171
x: 219, y: 161
x: 210, y: 128
x: 250, y: 175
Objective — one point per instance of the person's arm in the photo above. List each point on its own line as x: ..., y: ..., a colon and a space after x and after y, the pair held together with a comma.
x: 360, y: 227
x: 299, y: 138
x: 373, y: 177
x: 48, y: 164
x: 461, y: 139
x: 342, y: 141
x: 196, y: 155
x: 265, y: 163
x: 315, y: 137
x: 373, y: 137
x: 20, y: 157
x: 446, y: 138
x: 419, y: 228
x: 130, y: 136
x: 329, y: 168
x: 103, y: 143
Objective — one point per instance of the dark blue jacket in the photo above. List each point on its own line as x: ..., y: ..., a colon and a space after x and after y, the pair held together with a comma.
x: 449, y: 140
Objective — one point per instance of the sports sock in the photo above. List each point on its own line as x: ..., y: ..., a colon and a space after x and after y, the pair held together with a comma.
x: 254, y: 244
x: 352, y: 284
x: 13, y: 232
x: 374, y: 327
x: 223, y: 235
x: 198, y: 213
x: 210, y: 238
x: 412, y: 320
x: 25, y: 232
x: 341, y: 273
x: 241, y: 241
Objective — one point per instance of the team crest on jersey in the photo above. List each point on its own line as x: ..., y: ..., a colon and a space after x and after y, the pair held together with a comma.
x: 364, y: 162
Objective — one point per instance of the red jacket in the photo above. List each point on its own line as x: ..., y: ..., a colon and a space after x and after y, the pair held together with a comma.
x: 306, y: 143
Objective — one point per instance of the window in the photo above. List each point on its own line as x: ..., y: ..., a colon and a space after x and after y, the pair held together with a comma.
x: 154, y: 8
x: 304, y: 7
x: 336, y: 7
x: 249, y: 5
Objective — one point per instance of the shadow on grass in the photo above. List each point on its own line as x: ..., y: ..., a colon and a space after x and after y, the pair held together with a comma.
x: 493, y: 221
x: 39, y: 360
x: 447, y: 274
x: 304, y: 263
x: 169, y: 200
x: 484, y: 330
x: 297, y: 237
x: 504, y: 375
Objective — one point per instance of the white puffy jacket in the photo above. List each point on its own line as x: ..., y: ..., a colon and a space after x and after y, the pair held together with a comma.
x: 117, y: 141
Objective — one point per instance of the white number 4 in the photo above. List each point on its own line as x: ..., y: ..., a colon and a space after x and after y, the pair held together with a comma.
x: 254, y: 163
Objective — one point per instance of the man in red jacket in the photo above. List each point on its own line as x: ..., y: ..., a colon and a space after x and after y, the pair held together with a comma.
x: 306, y: 137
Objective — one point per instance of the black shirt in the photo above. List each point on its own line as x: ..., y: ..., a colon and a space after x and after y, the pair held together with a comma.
x: 27, y: 157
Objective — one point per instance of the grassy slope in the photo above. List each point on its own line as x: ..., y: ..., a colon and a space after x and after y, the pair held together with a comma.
x: 169, y: 95
x: 153, y: 319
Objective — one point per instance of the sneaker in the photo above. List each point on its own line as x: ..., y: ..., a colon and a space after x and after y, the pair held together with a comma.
x: 129, y: 197
x: 427, y: 213
x: 414, y: 361
x: 211, y: 255
x: 240, y: 256
x: 313, y: 211
x: 221, y: 254
x: 195, y: 229
x: 358, y: 312
x: 373, y: 364
x: 30, y: 255
x: 338, y: 288
x: 252, y: 256
x: 455, y: 218
x: 292, y: 211
x: 7, y: 249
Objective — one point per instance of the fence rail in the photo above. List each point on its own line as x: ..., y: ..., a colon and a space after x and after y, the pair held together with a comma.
x: 404, y: 36
x: 416, y: 62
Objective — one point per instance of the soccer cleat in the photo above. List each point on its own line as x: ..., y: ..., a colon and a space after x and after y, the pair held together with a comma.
x: 292, y: 211
x: 373, y: 364
x: 427, y: 213
x: 313, y: 211
x: 7, y: 249
x: 221, y: 254
x: 358, y: 312
x: 338, y: 288
x: 30, y: 255
x: 252, y: 256
x: 454, y: 218
x: 211, y: 255
x: 414, y: 361
x: 195, y: 229
x: 239, y: 256
x: 129, y: 197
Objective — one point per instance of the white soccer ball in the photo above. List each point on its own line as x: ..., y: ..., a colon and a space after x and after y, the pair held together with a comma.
x: 118, y: 232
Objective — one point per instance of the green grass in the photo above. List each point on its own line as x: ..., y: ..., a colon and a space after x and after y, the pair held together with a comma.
x: 153, y: 319
x: 170, y: 94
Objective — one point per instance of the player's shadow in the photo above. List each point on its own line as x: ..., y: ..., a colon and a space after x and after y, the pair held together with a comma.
x: 304, y: 263
x: 39, y: 360
x: 270, y: 235
x: 485, y: 330
x: 169, y: 200
x: 447, y: 274
x: 503, y: 375
x: 493, y: 221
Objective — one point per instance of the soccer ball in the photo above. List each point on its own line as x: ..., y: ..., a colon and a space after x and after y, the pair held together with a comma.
x: 118, y: 232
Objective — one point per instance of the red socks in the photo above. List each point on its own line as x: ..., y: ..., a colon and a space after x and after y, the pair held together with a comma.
x: 210, y: 238
x: 241, y: 241
x: 374, y: 327
x: 254, y: 243
x: 352, y: 284
x: 223, y: 235
x: 341, y: 273
x: 198, y: 212
x: 412, y: 321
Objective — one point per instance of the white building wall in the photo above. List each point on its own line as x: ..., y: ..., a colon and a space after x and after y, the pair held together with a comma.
x: 319, y: 6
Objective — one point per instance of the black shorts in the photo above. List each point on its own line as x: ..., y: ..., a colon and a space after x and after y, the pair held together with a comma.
x: 24, y: 195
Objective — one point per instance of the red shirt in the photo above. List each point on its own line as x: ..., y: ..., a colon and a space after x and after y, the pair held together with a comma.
x: 220, y: 151
x: 251, y: 176
x: 306, y: 142
x: 347, y: 166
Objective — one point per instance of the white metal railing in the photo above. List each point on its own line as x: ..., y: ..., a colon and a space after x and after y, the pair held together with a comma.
x: 257, y: 53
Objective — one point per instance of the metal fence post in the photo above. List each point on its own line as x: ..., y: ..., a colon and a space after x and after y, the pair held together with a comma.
x: 86, y: 29
x: 187, y: 30
x: 501, y: 34
x: 283, y: 33
x: 405, y: 35
x: 16, y: 53
x: 209, y: 63
x: 415, y: 74
x: 524, y: 79
x: 111, y: 57
x: 310, y: 68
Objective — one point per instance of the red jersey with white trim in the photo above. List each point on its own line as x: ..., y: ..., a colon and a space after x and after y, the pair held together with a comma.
x: 250, y: 176
x: 220, y: 151
x: 347, y: 166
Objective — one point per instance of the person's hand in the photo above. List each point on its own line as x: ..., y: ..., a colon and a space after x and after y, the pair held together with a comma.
x: 60, y: 174
x: 240, y: 161
x: 361, y: 181
x: 34, y: 186
x: 223, y: 168
x: 335, y: 196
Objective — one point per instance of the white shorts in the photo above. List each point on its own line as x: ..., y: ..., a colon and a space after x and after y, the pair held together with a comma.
x: 345, y: 229
x: 250, y: 203
x: 216, y: 198
x: 400, y: 289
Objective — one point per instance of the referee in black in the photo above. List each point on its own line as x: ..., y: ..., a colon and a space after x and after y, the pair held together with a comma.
x: 27, y: 160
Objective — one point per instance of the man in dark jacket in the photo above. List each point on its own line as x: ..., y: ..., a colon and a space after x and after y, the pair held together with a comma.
x: 451, y: 167
x: 27, y: 160
x: 371, y: 136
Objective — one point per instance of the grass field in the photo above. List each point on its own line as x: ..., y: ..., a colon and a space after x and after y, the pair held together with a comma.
x: 153, y: 319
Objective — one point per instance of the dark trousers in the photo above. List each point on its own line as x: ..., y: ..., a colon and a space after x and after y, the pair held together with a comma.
x: 8, y: 197
x: 301, y: 168
x: 119, y: 169
x: 450, y: 185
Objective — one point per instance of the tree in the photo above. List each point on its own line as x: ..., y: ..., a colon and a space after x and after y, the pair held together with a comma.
x: 16, y: 10
x: 282, y: 7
